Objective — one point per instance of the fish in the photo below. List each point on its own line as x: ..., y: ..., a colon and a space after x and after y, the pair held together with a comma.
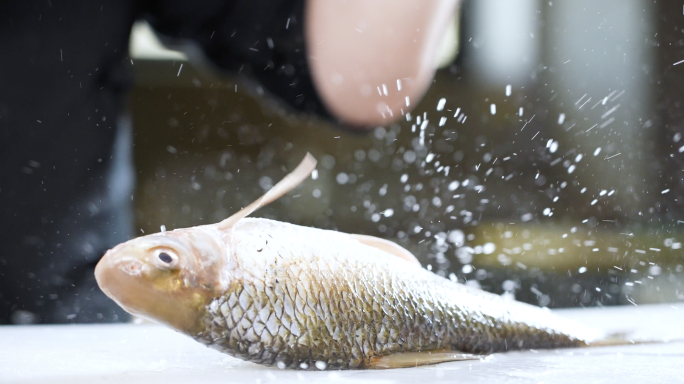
x: 296, y: 297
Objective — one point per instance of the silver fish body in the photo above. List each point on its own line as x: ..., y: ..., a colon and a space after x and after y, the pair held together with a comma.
x: 299, y: 296
x: 280, y: 294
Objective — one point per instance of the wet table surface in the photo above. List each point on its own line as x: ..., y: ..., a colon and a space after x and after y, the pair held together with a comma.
x: 127, y: 353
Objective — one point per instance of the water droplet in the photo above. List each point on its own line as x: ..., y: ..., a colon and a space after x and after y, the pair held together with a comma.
x: 552, y: 145
x: 654, y: 270
x: 440, y: 104
x: 342, y: 178
x: 265, y: 183
x: 508, y: 285
x: 456, y: 237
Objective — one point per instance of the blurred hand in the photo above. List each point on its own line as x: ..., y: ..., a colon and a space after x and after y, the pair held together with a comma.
x: 371, y: 60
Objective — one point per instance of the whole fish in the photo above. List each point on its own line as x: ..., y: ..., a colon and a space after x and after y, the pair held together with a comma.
x: 295, y: 297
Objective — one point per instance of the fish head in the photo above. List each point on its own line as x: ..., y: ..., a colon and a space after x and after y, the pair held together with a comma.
x: 167, y: 277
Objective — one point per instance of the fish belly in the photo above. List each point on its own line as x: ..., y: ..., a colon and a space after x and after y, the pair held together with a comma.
x: 309, y: 299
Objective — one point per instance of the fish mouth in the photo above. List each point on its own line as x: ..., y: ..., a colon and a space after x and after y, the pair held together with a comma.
x: 111, y: 276
x: 121, y: 275
x: 101, y: 272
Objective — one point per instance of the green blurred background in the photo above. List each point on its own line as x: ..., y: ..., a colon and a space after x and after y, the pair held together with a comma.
x: 551, y: 171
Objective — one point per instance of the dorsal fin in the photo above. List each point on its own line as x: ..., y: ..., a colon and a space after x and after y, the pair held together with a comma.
x: 288, y: 183
x: 387, y: 246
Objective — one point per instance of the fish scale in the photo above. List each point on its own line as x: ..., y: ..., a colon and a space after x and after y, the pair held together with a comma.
x: 345, y: 305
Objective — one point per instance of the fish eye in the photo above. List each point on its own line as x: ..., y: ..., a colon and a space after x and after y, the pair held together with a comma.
x: 165, y: 258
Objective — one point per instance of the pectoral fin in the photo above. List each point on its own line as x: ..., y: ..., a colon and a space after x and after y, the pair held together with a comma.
x: 387, y: 246
x: 414, y: 359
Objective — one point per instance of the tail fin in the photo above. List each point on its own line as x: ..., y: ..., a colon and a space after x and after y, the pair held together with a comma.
x: 622, y: 338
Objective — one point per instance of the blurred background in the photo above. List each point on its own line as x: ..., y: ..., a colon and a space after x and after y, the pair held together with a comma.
x: 545, y: 162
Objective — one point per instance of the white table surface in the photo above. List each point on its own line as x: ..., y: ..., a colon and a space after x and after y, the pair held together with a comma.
x: 127, y: 353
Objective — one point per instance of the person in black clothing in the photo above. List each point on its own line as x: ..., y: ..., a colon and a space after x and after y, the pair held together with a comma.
x: 65, y: 159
